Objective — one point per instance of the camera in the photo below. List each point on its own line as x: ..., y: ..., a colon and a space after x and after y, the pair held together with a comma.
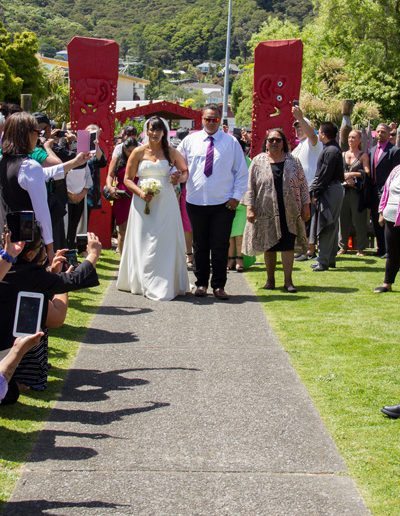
x: 72, y: 258
x: 22, y: 225
x: 81, y: 242
x: 61, y: 134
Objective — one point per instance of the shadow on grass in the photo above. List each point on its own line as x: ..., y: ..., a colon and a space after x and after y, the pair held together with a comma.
x: 37, y: 507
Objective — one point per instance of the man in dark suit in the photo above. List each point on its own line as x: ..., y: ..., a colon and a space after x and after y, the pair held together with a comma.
x: 384, y: 156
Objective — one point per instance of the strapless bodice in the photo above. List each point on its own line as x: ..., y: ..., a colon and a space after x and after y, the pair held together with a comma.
x: 148, y: 168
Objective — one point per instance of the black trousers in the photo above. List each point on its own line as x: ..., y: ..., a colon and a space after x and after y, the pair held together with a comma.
x: 392, y: 235
x: 378, y: 229
x: 211, y: 226
x: 74, y: 216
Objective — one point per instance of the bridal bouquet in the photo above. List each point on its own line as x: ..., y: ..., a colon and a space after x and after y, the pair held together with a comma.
x: 150, y: 186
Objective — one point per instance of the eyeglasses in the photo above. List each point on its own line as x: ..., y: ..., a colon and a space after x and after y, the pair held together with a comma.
x: 212, y: 120
x: 274, y: 140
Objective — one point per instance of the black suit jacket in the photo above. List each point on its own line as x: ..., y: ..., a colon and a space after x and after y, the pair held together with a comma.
x: 389, y: 158
x: 35, y: 278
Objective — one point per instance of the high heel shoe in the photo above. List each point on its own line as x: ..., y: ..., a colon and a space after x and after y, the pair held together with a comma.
x: 231, y: 263
x: 239, y: 267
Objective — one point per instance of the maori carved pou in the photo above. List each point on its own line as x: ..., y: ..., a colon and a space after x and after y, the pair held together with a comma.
x: 93, y: 73
x: 277, y: 82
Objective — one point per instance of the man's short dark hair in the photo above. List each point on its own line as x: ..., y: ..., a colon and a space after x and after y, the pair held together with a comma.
x: 212, y: 107
x: 130, y: 130
x: 329, y: 130
x: 42, y: 118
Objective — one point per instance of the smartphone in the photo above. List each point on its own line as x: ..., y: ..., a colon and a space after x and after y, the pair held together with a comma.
x: 61, y: 134
x: 28, y: 314
x: 83, y: 143
x: 72, y: 257
x: 295, y: 102
x: 22, y: 225
x: 123, y: 193
x: 93, y: 138
x: 81, y: 242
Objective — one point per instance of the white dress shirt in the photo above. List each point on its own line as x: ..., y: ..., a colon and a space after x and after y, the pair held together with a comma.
x: 229, y: 176
x: 32, y: 177
x: 78, y: 179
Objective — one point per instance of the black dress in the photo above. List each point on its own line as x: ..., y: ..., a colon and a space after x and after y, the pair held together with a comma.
x: 287, y: 240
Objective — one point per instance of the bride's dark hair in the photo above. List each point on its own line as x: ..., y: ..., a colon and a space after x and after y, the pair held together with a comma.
x: 156, y: 123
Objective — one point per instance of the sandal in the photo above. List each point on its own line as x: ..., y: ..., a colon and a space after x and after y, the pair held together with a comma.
x: 239, y: 268
x: 189, y: 260
x: 231, y: 263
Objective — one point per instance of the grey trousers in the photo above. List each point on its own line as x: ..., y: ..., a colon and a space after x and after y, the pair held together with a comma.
x: 350, y: 216
x: 329, y: 236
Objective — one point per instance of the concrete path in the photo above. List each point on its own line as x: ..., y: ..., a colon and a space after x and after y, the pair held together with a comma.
x: 187, y: 407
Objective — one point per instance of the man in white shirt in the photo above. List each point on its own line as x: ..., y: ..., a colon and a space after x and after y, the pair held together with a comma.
x: 307, y: 151
x: 216, y: 183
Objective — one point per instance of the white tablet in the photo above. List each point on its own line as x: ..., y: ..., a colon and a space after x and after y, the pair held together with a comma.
x: 28, y: 313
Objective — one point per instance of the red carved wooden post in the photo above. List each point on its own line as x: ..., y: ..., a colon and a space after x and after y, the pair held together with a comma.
x: 277, y: 82
x: 93, y: 73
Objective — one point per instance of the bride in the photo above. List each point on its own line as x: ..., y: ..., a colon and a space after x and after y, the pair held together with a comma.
x: 153, y: 261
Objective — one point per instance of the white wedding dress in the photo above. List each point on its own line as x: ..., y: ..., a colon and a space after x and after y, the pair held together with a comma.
x: 153, y: 261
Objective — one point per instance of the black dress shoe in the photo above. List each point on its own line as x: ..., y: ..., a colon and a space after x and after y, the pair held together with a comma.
x: 381, y: 290
x: 220, y: 293
x: 200, y: 292
x: 391, y: 411
x: 319, y: 268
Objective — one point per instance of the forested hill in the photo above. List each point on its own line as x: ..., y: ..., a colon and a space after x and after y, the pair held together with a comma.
x: 156, y: 32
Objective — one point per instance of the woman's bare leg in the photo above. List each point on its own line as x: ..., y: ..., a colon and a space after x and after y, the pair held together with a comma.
x: 121, y: 236
x: 287, y: 264
x: 270, y: 264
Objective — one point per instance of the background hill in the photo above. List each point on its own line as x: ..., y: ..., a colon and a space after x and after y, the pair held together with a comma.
x: 156, y: 32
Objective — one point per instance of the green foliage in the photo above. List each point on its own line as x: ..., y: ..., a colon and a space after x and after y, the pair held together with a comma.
x: 19, y: 68
x: 242, y: 97
x: 351, y: 50
x: 55, y: 103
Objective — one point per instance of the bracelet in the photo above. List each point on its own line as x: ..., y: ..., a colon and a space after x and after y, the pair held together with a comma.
x: 7, y: 257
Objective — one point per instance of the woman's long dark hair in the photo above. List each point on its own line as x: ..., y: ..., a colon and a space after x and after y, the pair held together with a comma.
x: 155, y: 122
x: 284, y: 139
x: 123, y: 159
x: 17, y: 133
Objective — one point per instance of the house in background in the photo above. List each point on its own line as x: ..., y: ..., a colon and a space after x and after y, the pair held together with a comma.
x: 214, y: 93
x: 207, y: 67
x: 129, y: 88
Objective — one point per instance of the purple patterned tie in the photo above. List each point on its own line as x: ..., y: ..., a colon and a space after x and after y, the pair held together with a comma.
x: 208, y: 167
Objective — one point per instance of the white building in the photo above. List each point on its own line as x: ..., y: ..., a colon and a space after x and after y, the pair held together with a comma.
x: 129, y: 88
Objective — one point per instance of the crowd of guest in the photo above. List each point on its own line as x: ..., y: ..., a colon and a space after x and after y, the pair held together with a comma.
x: 309, y: 197
x: 41, y: 176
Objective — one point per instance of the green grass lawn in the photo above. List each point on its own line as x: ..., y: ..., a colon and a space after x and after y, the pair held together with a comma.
x: 20, y: 423
x: 343, y: 340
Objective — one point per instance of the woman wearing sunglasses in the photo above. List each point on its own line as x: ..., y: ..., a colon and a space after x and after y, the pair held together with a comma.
x: 277, y: 200
x: 22, y: 179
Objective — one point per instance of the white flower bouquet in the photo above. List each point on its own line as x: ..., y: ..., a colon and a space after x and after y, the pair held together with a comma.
x: 150, y: 186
